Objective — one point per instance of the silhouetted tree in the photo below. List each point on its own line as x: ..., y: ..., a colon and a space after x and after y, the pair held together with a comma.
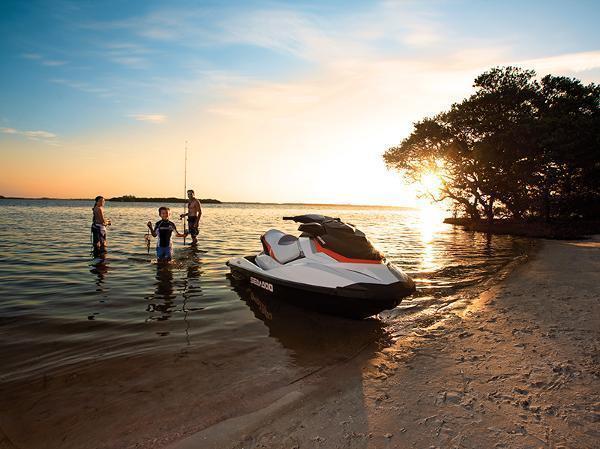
x: 517, y: 147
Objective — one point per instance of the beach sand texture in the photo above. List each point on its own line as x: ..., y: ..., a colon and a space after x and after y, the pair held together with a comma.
x: 516, y: 367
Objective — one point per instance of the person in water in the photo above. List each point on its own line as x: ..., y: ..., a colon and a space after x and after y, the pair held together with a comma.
x: 193, y: 215
x: 99, y: 224
x: 163, y: 230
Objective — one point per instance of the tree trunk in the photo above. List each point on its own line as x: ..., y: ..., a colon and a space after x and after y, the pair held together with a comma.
x: 489, y: 210
x: 472, y: 211
x: 546, y: 205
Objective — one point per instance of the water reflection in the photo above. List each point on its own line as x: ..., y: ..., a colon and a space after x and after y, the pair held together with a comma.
x: 177, y: 287
x: 431, y: 223
x: 56, y: 282
x: 99, y: 267
x: 191, y: 285
x: 312, y: 338
x: 161, y: 302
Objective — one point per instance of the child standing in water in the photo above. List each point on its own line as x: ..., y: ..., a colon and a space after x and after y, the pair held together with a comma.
x: 163, y: 230
x: 99, y: 224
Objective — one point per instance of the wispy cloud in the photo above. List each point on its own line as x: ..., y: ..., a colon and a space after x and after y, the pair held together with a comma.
x: 292, y: 31
x: 43, y: 60
x: 152, y: 118
x: 84, y: 87
x: 128, y: 54
x: 38, y: 135
x: 570, y: 62
x: 164, y: 24
x: 285, y: 31
x: 33, y: 56
x: 53, y: 63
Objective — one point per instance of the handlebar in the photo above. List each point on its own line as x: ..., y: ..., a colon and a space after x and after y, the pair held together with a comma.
x: 310, y: 218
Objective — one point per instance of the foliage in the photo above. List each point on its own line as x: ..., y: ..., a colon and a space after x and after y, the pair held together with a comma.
x: 519, y: 147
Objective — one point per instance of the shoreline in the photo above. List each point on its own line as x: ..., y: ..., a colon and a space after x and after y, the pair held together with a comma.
x: 515, y: 367
x: 518, y: 367
x: 558, y: 230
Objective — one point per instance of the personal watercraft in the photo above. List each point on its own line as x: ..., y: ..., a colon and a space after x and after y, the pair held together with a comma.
x: 332, y: 267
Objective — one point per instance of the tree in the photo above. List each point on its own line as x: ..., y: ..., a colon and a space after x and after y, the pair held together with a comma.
x: 513, y: 148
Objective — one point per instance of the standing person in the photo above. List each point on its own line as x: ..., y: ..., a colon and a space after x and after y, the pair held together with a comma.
x: 163, y: 230
x: 194, y: 213
x: 99, y: 224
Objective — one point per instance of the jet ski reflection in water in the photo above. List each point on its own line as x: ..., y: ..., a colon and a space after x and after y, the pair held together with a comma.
x: 314, y: 339
x: 332, y: 267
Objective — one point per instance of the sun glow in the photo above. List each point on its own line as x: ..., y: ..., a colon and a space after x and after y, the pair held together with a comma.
x: 432, y: 213
x: 430, y: 184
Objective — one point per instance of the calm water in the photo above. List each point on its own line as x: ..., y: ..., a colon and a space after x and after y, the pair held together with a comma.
x: 58, y: 306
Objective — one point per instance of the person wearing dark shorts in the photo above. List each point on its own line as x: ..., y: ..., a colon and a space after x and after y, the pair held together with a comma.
x: 193, y: 216
x: 193, y: 226
x: 99, y: 224
x: 99, y: 237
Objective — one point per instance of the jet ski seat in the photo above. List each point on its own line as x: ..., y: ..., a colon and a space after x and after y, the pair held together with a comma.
x: 266, y: 262
x: 280, y: 246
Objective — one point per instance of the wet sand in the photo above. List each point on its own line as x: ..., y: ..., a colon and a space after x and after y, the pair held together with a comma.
x: 516, y: 367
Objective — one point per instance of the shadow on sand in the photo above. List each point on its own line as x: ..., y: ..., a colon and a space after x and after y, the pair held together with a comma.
x: 332, y: 354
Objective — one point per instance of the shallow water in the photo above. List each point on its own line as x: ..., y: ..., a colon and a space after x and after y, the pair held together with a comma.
x: 58, y: 306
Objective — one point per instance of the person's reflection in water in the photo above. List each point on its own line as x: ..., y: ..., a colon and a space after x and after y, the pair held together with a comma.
x: 161, y: 303
x: 99, y: 267
x: 191, y: 286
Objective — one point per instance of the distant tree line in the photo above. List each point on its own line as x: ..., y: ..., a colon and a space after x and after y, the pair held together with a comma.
x: 519, y: 147
x: 170, y: 199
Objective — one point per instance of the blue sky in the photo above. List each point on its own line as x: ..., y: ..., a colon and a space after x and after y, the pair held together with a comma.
x: 84, y: 74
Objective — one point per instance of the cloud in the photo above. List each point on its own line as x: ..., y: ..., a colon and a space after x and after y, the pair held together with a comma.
x: 152, y: 118
x: 282, y: 29
x: 422, y: 37
x: 43, y: 60
x: 165, y: 24
x: 33, y: 56
x: 38, y: 135
x: 570, y: 62
x: 348, y: 111
x: 128, y: 54
x: 53, y: 63
x: 84, y: 87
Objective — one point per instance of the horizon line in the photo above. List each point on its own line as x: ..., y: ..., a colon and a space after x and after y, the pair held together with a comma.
x: 220, y: 202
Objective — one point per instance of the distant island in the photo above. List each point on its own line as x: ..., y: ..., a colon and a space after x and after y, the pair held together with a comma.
x: 118, y: 199
x: 135, y: 199
x: 170, y: 199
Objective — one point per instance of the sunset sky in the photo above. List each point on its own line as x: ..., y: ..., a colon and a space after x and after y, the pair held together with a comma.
x: 278, y: 101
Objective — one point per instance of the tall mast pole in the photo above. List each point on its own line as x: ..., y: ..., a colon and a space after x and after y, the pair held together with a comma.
x: 185, y: 190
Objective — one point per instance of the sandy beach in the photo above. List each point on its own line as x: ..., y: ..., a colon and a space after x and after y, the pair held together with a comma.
x: 516, y: 366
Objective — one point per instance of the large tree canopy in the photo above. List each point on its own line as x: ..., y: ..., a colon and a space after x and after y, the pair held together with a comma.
x: 518, y: 147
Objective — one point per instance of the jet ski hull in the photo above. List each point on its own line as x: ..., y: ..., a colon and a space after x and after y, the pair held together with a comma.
x: 357, y: 301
